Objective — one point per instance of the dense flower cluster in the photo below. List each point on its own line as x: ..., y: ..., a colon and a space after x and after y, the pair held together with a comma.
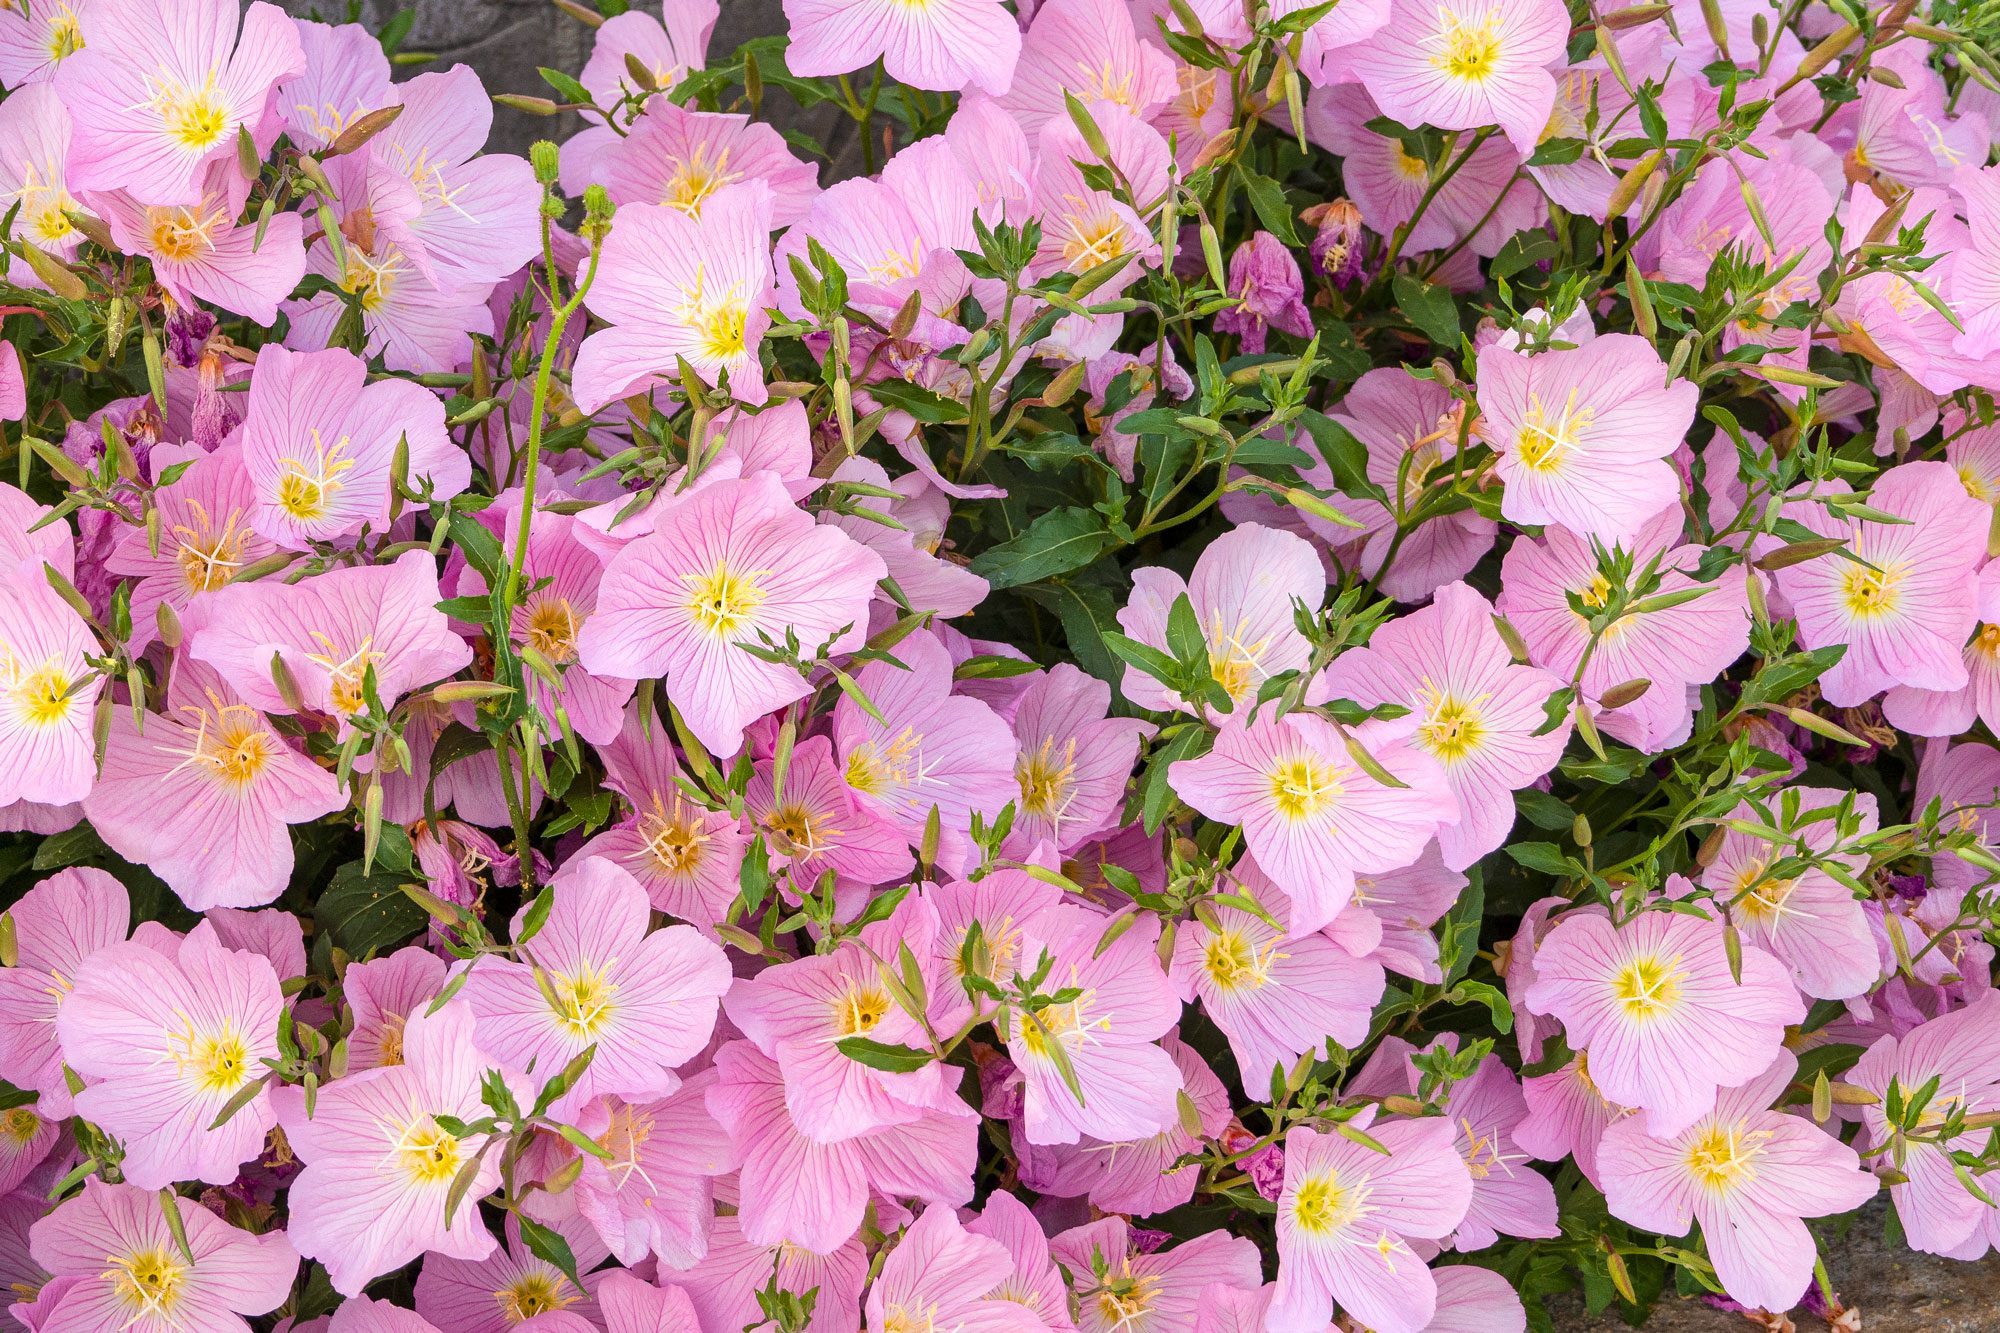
x: 1302, y: 666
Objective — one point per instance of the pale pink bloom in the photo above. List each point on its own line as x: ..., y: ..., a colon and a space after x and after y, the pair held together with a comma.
x: 276, y: 936
x: 1655, y: 1007
x: 122, y: 1266
x: 381, y: 994
x: 1310, y: 814
x: 204, y: 535
x: 1129, y: 1086
x: 1143, y: 1289
x: 1585, y: 185
x: 1583, y: 434
x: 926, y: 580
x: 1010, y: 907
x: 1964, y: 779
x: 683, y: 159
x: 1905, y: 613
x: 947, y: 1277
x: 331, y: 632
x: 1092, y: 50
x: 932, y: 750
x: 1265, y: 276
x: 1345, y: 1219
x: 686, y: 856
x: 200, y: 252
x: 57, y: 924
x: 1812, y: 922
x: 1386, y: 182
x: 816, y: 823
x: 158, y: 94
x: 675, y: 289
x: 236, y: 787
x: 1886, y: 310
x: 1479, y: 715
x: 35, y: 40
x: 414, y: 320
x: 1085, y: 226
x: 1974, y: 293
x: 560, y: 578
x: 28, y: 1134
x: 1467, y: 63
x: 1391, y: 914
x: 478, y: 216
x: 736, y: 562
x: 593, y: 977
x: 655, y: 1194
x: 1678, y: 648
x: 941, y: 45
x: 813, y: 1195
x: 320, y: 443
x: 1274, y: 998
x: 34, y: 148
x: 1073, y: 762
x: 723, y: 1289
x: 168, y: 1042
x: 1567, y: 1117
x: 510, y: 1287
x: 1138, y: 1177
x: 345, y: 76
x: 378, y: 1166
x: 1475, y: 1300
x: 1243, y: 592
x: 1747, y: 1174
x: 1937, y: 1213
x: 48, y: 692
x: 669, y: 47
x: 359, y: 1314
x: 1036, y: 1282
x: 630, y: 1305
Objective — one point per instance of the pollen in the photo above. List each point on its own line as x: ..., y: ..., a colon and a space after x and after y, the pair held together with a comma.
x: 1234, y: 964
x: 20, y: 1125
x: 1870, y: 594
x: 582, y: 1000
x: 307, y: 485
x: 148, y: 1283
x: 1467, y: 51
x: 1547, y: 439
x: 552, y: 628
x: 1236, y: 661
x: 674, y: 841
x: 65, y: 34
x: 1321, y: 1205
x: 183, y: 234
x: 41, y: 696
x: 856, y: 1012
x: 1648, y: 987
x: 723, y: 602
x: 1724, y: 1157
x: 231, y: 744
x: 1452, y: 729
x: 695, y: 179
x: 1047, y: 778
x: 208, y: 557
x: 216, y: 1063
x: 534, y: 1293
x: 1093, y: 240
x: 427, y: 1154
x: 347, y: 673
x: 722, y: 331
x: 193, y: 117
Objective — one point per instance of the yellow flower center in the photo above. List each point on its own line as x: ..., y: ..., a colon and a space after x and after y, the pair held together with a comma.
x: 307, y: 485
x: 723, y: 602
x: 799, y: 831
x: 856, y: 1013
x: 1453, y: 728
x: 347, y: 686
x: 216, y: 1063
x: 1321, y: 1206
x: 1648, y: 987
x: 696, y: 179
x: 533, y: 1294
x: 880, y: 769
x: 1093, y: 241
x: 209, y: 558
x: 182, y: 234
x: 1302, y: 787
x: 1870, y: 593
x: 194, y: 117
x: 148, y: 1283
x: 552, y: 629
x: 1465, y: 50
x: 674, y: 841
x: 1046, y: 779
x: 582, y: 999
x: 1233, y: 963
x: 1723, y: 1157
x: 21, y: 1124
x: 428, y: 1155
x: 231, y: 744
x: 41, y: 696
x: 1547, y: 438
x: 1987, y: 640
x: 65, y: 34
x: 389, y: 1046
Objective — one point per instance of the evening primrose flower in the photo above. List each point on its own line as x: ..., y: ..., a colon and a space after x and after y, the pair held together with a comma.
x: 57, y: 924
x: 205, y: 535
x: 1655, y: 1006
x: 1463, y: 64
x: 683, y: 159
x: 48, y: 692
x: 941, y: 45
x: 1125, y: 1283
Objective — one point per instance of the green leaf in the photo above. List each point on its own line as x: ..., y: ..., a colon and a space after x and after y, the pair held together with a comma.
x: 566, y: 87
x: 368, y: 914
x: 882, y: 1055
x: 1346, y: 456
x: 1430, y: 308
x: 1495, y: 1000
x: 929, y: 408
x: 1543, y: 856
x: 1268, y: 198
x: 1057, y: 542
x: 547, y: 1244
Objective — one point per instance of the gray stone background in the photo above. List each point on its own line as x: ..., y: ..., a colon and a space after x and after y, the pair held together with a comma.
x: 506, y: 40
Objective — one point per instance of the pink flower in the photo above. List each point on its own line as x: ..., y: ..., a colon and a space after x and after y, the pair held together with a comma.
x: 235, y: 785
x: 1344, y: 1221
x: 1655, y: 1007
x: 122, y: 1267
x: 57, y: 924
x: 815, y: 824
x: 199, y: 252
x: 1906, y: 606
x: 1583, y: 434
x: 654, y: 1194
x: 1974, y: 294
x: 359, y: 1314
x: 47, y: 692
x: 158, y: 95
x: 1567, y: 1117
x: 378, y: 1166
x: 205, y: 535
x: 813, y: 1195
x: 168, y: 1043
x: 1265, y: 276
x: 509, y: 1287
x: 941, y: 1273
x: 593, y: 977
x: 724, y: 1288
x: 1274, y: 998
x: 1242, y: 593
x: 1479, y: 715
x: 1678, y: 647
x: 931, y: 750
x: 1094, y: 50
x: 1036, y: 1282
x: 345, y: 76
x: 382, y: 993
x: 1812, y: 922
x: 1073, y: 762
x: 730, y: 564
x: 1958, y: 1050
x: 927, y: 581
x: 1125, y: 1086
x: 1310, y: 814
x: 34, y: 151
x: 331, y: 632
x: 1123, y: 1283
x: 683, y: 159
x: 943, y: 45
x: 1748, y: 1174
x: 34, y: 42
x: 1467, y: 63
x: 687, y: 857
x: 319, y: 444
x: 673, y: 289
x: 668, y: 47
